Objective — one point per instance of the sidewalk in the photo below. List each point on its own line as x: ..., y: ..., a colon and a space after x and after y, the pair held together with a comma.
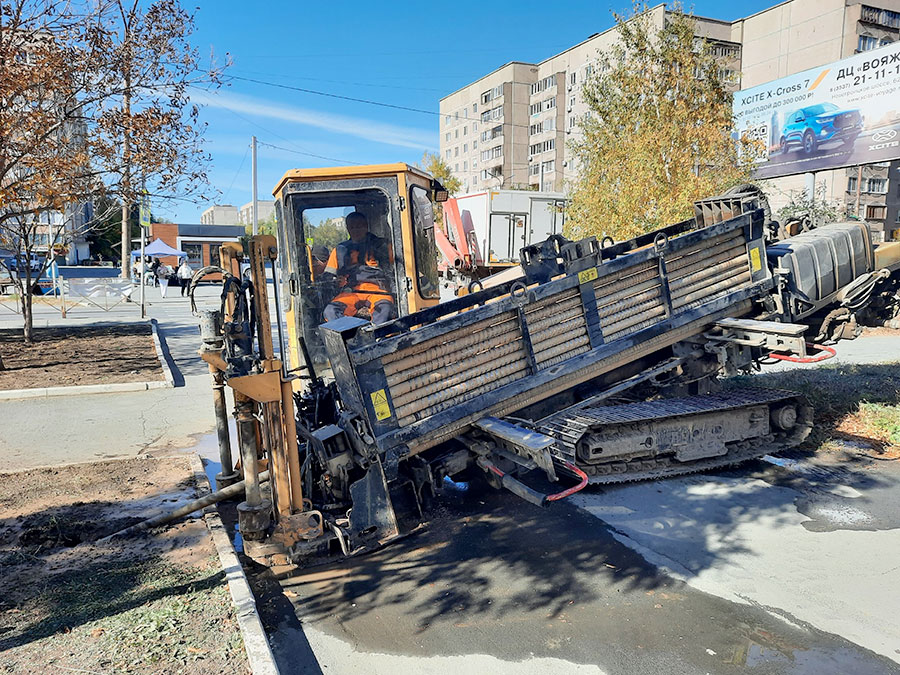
x: 41, y: 432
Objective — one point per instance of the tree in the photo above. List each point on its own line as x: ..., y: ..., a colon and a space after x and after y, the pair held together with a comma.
x: 439, y: 169
x: 151, y: 131
x: 49, y: 59
x: 658, y: 136
x: 93, y: 96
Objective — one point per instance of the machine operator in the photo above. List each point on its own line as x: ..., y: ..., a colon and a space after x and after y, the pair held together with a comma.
x: 362, y: 266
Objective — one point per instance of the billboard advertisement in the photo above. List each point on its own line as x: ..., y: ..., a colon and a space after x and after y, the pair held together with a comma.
x: 842, y: 114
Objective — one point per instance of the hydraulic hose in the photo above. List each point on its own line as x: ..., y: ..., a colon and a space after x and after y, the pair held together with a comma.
x: 824, y: 354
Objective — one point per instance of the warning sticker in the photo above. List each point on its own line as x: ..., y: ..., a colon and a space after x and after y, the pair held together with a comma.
x: 587, y: 275
x: 755, y: 260
x: 381, y: 405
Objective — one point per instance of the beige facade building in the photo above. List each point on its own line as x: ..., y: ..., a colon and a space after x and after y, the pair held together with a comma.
x: 220, y: 214
x: 510, y: 128
x: 265, y: 209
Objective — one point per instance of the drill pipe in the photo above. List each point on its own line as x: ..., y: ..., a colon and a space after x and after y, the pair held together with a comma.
x: 206, y: 500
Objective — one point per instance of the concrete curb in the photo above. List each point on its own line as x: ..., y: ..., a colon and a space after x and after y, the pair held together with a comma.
x: 112, y: 388
x: 167, y: 372
x: 256, y: 644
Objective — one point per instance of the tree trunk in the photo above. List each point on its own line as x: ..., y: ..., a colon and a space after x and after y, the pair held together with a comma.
x: 27, y: 316
x: 126, y: 178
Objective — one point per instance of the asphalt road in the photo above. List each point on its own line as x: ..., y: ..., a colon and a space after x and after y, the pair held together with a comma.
x: 498, y: 585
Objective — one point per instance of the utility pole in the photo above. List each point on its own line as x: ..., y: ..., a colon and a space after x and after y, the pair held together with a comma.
x: 253, y: 171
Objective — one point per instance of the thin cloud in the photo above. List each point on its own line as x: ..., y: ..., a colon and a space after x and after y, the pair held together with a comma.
x: 389, y: 134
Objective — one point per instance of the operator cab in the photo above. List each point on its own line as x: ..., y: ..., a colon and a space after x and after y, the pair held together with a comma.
x: 354, y: 241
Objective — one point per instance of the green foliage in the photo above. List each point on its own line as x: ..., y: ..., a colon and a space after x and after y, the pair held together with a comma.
x: 438, y: 168
x: 658, y: 134
x: 328, y: 233
x: 818, y: 211
x: 268, y: 226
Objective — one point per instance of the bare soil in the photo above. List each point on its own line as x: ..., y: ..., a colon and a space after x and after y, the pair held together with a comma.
x: 153, y: 603
x: 76, y: 355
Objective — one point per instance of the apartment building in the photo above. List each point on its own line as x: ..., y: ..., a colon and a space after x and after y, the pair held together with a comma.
x: 510, y: 128
x: 220, y: 214
x: 265, y: 209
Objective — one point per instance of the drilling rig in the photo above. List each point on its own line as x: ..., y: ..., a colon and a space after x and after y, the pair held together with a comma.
x: 597, y: 364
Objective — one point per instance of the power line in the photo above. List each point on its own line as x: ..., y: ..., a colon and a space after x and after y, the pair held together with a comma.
x: 339, y: 96
x: 310, y: 154
x: 353, y: 84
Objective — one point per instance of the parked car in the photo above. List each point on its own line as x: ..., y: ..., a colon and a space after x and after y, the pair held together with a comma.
x: 11, y: 263
x: 809, y: 127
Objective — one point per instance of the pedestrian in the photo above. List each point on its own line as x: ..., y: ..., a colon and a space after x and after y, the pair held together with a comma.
x: 185, y: 272
x: 163, y: 274
x: 154, y: 270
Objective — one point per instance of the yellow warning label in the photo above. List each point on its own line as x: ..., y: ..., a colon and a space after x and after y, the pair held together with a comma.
x: 381, y: 405
x: 587, y: 275
x: 755, y: 261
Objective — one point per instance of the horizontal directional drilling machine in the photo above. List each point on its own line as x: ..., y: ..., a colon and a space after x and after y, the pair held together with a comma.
x: 598, y: 364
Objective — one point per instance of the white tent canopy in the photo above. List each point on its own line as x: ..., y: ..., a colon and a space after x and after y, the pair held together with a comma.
x: 158, y: 247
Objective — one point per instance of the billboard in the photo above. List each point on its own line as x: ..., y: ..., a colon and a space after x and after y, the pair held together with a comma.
x: 842, y: 114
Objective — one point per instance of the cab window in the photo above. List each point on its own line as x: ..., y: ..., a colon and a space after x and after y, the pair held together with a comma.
x: 346, y: 256
x: 424, y: 243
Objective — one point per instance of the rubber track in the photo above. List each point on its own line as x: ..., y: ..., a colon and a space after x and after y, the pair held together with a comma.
x: 667, y: 466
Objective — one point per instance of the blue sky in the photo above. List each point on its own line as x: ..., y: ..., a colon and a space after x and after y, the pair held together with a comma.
x: 400, y: 53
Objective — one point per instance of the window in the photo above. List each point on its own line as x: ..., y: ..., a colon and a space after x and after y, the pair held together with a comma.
x: 550, y: 103
x: 534, y: 109
x: 571, y: 123
x: 571, y: 102
x: 474, y: 107
x: 456, y: 115
x: 456, y: 151
x: 549, y: 166
x: 475, y: 145
x: 534, y: 170
x: 877, y: 185
x: 446, y: 120
x: 465, y: 147
x: 449, y: 153
x: 536, y: 128
x: 214, y: 255
x: 543, y: 146
x: 497, y: 113
x: 866, y: 43
x: 486, y: 116
x: 486, y: 97
x: 875, y: 212
x: 456, y: 135
x: 474, y: 164
x: 456, y: 167
x: 465, y: 130
x: 194, y: 254
x: 474, y: 126
x: 883, y: 17
x: 588, y: 69
x: 550, y: 124
x: 447, y: 136
x: 573, y: 77
x: 851, y: 184
x: 423, y: 243
x: 465, y: 166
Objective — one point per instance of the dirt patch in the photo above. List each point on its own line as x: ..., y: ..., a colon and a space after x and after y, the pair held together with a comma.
x: 856, y: 403
x: 154, y: 603
x: 76, y: 355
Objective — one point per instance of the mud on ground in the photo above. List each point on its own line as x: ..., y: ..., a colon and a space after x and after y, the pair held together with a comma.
x: 77, y: 355
x: 154, y: 603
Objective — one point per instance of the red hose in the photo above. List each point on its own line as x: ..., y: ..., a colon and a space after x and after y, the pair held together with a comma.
x: 824, y: 353
x: 572, y: 490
